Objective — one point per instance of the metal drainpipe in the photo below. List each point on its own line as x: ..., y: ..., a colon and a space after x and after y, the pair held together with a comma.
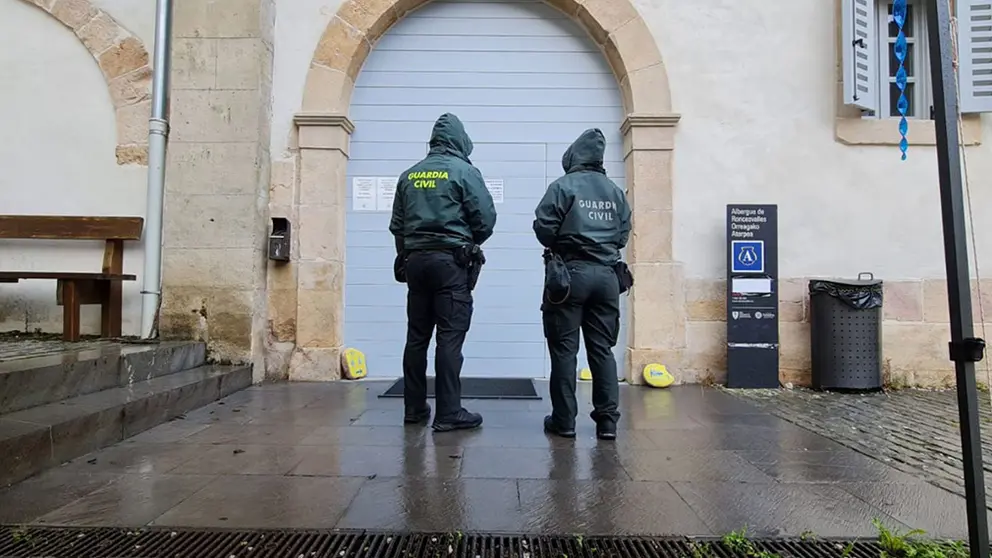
x: 158, y: 137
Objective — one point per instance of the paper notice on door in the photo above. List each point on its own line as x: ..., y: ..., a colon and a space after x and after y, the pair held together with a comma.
x: 363, y: 193
x: 495, y: 187
x: 385, y: 192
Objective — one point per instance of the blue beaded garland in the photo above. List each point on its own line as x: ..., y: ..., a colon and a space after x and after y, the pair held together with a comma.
x: 901, y: 48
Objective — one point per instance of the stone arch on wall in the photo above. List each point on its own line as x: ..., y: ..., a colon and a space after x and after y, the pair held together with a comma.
x: 615, y: 25
x: 306, y: 299
x: 124, y: 63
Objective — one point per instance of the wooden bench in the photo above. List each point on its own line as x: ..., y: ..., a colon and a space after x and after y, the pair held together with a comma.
x: 75, y: 289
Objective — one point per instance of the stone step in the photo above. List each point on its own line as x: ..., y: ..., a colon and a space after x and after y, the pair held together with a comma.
x: 30, y: 382
x: 34, y: 439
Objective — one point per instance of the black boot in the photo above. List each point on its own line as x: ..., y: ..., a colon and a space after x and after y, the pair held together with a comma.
x: 606, y: 430
x: 462, y: 420
x: 417, y: 416
x: 551, y: 428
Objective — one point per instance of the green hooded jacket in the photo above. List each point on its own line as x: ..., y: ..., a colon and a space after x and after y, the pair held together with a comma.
x: 584, y: 215
x: 442, y: 201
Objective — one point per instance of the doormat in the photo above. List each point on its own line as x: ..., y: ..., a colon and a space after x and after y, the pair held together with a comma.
x: 152, y: 542
x: 479, y: 388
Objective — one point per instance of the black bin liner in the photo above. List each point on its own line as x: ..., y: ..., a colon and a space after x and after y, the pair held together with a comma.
x: 860, y: 294
x: 846, y: 333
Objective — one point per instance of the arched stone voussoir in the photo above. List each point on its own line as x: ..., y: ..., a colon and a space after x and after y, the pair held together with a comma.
x: 121, y: 56
x: 374, y: 17
x: 327, y: 90
x: 600, y: 17
x: 342, y: 47
x: 645, y: 91
x: 631, y: 47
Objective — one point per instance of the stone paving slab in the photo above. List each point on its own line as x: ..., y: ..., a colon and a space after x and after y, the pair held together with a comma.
x: 16, y: 347
x: 914, y: 431
x: 688, y: 461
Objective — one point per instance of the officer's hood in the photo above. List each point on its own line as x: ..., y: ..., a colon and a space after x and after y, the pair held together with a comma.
x: 449, y: 137
x: 585, y: 153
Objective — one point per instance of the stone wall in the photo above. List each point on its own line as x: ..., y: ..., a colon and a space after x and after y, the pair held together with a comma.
x: 216, y: 207
x: 739, y: 145
x: 728, y: 148
x: 915, y: 332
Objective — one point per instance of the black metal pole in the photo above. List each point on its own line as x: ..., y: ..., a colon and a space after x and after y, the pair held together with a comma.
x: 965, y: 349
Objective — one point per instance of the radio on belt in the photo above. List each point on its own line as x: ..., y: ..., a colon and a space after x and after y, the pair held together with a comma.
x: 752, y: 296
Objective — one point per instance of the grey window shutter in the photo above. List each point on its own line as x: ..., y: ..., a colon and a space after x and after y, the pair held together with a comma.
x: 860, y: 53
x: 975, y: 55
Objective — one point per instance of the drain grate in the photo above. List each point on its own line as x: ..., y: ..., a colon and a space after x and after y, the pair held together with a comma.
x: 192, y: 543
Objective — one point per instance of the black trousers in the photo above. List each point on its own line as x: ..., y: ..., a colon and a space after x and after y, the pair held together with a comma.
x: 438, y: 296
x: 593, y: 305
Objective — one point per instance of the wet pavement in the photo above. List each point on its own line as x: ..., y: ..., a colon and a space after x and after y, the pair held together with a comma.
x: 914, y: 431
x: 14, y: 346
x: 688, y: 461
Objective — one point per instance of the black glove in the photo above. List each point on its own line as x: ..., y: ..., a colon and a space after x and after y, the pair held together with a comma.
x: 399, y: 268
x: 624, y: 276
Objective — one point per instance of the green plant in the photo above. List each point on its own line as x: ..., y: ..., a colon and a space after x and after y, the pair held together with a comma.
x: 20, y: 535
x: 737, y: 541
x: 700, y: 550
x: 807, y: 536
x: 907, y: 545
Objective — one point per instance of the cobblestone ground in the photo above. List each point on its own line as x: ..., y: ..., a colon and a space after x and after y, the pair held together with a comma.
x: 915, y: 431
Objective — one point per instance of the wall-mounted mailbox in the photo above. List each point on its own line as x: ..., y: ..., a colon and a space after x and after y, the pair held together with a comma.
x: 279, y: 239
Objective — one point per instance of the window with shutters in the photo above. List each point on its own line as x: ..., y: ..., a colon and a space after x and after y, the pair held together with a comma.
x: 870, y: 94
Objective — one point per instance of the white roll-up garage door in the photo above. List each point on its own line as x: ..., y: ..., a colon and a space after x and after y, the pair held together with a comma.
x: 526, y: 81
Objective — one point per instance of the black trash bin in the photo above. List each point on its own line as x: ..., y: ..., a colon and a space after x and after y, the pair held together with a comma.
x: 846, y: 333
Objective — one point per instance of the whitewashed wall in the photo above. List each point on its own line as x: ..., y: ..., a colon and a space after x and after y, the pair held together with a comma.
x: 755, y: 83
x: 58, y: 137
x: 299, y: 25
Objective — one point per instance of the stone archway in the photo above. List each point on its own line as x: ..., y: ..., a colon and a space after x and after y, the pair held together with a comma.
x: 312, y: 320
x: 123, y: 60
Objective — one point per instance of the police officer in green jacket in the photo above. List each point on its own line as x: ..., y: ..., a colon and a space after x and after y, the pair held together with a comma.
x: 442, y: 213
x: 584, y: 219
